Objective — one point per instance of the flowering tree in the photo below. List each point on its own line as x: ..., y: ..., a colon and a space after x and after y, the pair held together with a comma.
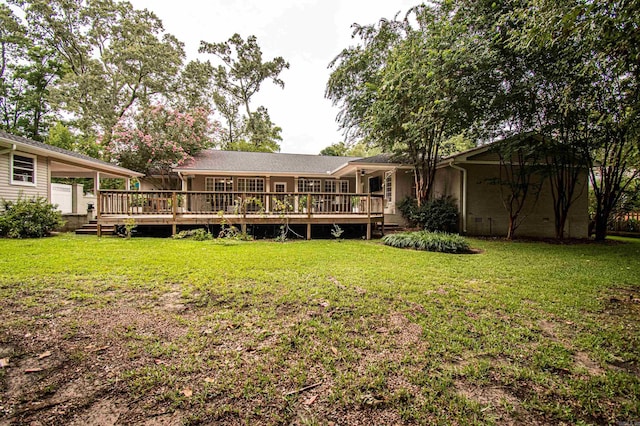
x: 158, y: 138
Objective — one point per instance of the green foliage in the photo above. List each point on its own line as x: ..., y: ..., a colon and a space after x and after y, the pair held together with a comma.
x: 28, y: 218
x: 343, y: 149
x: 409, y: 86
x: 236, y: 81
x: 158, y: 138
x: 336, y: 231
x: 62, y: 137
x: 129, y: 225
x: 440, y: 214
x: 115, y: 58
x: 199, y: 234
x: 428, y: 241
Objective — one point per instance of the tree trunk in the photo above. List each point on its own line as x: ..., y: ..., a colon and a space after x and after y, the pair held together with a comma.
x: 601, y: 227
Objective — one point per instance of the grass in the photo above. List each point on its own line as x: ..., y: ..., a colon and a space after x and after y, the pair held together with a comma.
x: 230, y: 332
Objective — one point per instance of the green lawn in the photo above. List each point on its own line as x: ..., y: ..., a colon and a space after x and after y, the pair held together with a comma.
x: 179, y: 331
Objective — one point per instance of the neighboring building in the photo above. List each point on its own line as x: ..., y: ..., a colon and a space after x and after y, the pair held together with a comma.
x: 27, y: 166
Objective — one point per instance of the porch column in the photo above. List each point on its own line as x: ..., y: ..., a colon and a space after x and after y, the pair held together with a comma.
x: 357, y: 191
x: 267, y: 201
x: 127, y: 184
x: 96, y: 183
x: 295, y: 191
x: 48, y: 177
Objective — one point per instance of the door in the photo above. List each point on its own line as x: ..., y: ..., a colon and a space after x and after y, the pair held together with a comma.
x: 281, y: 203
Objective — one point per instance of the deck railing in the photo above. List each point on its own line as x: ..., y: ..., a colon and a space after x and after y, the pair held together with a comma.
x: 132, y: 203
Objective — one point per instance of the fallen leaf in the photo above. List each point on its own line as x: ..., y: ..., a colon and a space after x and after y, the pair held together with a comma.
x: 310, y: 400
x: 32, y: 370
x: 27, y: 335
x: 209, y: 380
x: 334, y: 350
x: 159, y: 361
x: 101, y: 348
x: 44, y: 355
x: 324, y: 304
x: 4, y: 362
x: 187, y: 392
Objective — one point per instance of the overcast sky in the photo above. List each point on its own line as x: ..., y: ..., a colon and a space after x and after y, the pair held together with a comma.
x: 306, y: 33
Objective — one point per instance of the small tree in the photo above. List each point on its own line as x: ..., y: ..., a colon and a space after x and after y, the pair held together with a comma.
x: 520, y: 177
x: 159, y: 138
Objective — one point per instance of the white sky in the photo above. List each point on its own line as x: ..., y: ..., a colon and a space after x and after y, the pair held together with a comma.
x: 306, y: 33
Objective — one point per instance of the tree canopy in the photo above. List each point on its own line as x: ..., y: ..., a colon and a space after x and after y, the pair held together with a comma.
x: 236, y: 80
x: 566, y: 69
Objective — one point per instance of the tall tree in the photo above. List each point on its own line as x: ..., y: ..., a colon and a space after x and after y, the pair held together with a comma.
x: 580, y: 74
x: 521, y: 176
x: 405, y: 88
x: 27, y: 72
x: 117, y: 57
x: 237, y: 80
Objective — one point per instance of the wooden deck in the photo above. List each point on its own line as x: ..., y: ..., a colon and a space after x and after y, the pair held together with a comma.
x: 188, y: 208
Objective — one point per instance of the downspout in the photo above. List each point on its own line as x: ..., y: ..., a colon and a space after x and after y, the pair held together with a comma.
x: 464, y: 194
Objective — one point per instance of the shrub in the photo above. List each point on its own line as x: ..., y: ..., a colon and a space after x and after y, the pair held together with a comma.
x: 428, y: 241
x: 439, y: 214
x: 29, y: 218
x: 199, y: 234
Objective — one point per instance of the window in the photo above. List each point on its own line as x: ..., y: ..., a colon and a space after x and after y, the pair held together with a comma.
x: 23, y: 169
x: 251, y: 184
x: 218, y: 184
x: 336, y: 186
x: 388, y: 186
x: 309, y: 185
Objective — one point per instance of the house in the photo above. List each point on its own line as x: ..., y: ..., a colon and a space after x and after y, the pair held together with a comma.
x: 27, y: 168
x: 471, y: 178
x: 253, y: 188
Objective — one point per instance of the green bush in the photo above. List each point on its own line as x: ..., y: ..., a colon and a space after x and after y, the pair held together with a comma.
x: 199, y: 234
x: 437, y: 215
x: 428, y: 241
x: 28, y: 218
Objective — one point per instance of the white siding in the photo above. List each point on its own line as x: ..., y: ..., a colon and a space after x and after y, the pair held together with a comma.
x: 12, y: 192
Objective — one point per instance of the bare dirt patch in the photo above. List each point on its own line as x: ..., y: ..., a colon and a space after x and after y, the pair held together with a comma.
x: 499, y: 402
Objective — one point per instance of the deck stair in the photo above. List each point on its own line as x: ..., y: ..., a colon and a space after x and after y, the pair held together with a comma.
x: 91, y: 228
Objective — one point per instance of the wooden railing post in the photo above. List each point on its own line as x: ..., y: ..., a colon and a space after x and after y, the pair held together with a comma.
x: 174, y: 204
x: 309, y: 205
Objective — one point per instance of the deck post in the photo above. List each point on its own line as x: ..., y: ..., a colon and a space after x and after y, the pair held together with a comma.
x: 369, y: 216
x: 309, y: 209
x: 174, y: 205
x: 309, y: 231
x: 174, y: 228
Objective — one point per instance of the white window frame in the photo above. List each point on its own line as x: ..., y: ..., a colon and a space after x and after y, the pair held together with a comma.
x: 387, y: 187
x: 245, y: 184
x: 34, y: 171
x: 210, y: 183
x: 308, y: 185
x: 336, y: 186
x: 275, y: 185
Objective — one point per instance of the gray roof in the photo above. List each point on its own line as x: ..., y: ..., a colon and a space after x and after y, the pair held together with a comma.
x: 263, y: 162
x: 55, y: 149
x: 384, y: 158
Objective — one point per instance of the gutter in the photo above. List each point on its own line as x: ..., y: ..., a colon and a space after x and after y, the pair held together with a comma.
x: 464, y: 194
